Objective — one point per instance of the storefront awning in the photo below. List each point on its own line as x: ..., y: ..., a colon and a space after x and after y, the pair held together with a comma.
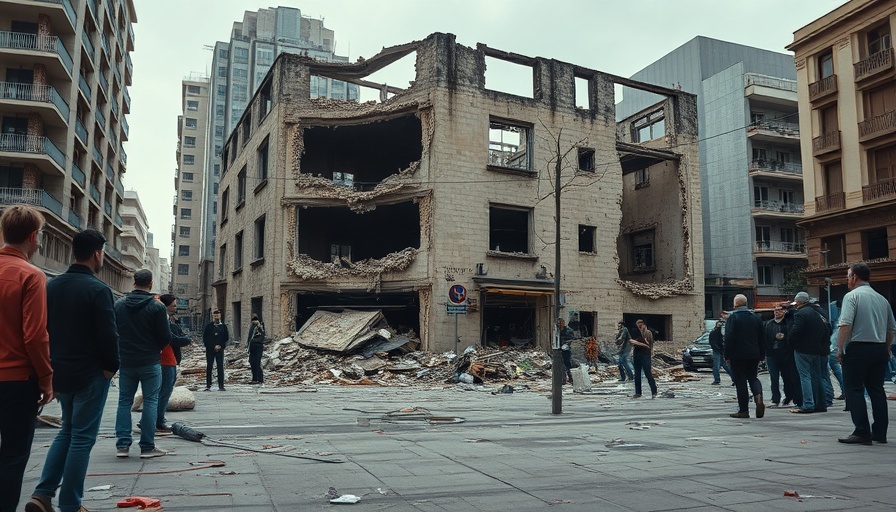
x: 521, y: 287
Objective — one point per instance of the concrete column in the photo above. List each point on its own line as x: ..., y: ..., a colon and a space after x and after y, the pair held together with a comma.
x: 854, y: 246
x: 40, y: 74
x: 31, y: 176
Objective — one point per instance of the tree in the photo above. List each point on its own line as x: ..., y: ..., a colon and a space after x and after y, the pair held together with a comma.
x: 794, y: 280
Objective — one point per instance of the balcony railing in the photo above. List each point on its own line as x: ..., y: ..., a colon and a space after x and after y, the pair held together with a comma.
x: 829, y: 141
x: 100, y: 119
x: 835, y: 201
x: 104, y: 84
x: 778, y: 206
x: 119, y: 187
x: 36, y: 144
x: 84, y: 87
x: 776, y: 246
x: 78, y: 175
x: 98, y: 157
x: 117, y: 74
x: 769, y: 81
x: 877, y: 125
x: 40, y: 43
x: 782, y: 128
x: 95, y: 193
x: 776, y: 166
x: 92, y: 5
x: 107, y: 208
x: 112, y: 251
x: 880, y: 190
x: 874, y: 64
x: 127, y: 99
x: 128, y: 63
x: 125, y: 127
x: 118, y: 221
x: 123, y: 155
x: 88, y: 46
x: 32, y: 196
x: 81, y: 131
x: 110, y: 173
x: 106, y: 46
x: 67, y: 6
x: 113, y: 139
x: 74, y: 219
x: 34, y: 92
x: 823, y: 87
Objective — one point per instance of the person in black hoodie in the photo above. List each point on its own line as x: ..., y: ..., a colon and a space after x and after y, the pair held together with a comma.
x: 215, y: 337
x: 744, y: 349
x: 717, y: 344
x: 776, y: 354
x: 810, y: 334
x: 143, y: 331
x: 255, y: 347
x: 84, y: 355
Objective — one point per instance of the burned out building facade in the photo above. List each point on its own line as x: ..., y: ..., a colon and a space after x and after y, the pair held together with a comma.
x: 334, y: 204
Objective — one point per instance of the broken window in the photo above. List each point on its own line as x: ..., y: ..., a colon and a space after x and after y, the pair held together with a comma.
x: 368, y: 152
x: 238, y: 252
x: 224, y: 198
x: 222, y: 259
x: 265, y: 101
x: 256, y: 306
x: 330, y: 233
x: 586, y: 159
x: 259, y: 238
x: 642, y: 250
x: 262, y: 155
x: 875, y: 244
x: 241, y: 187
x: 509, y: 229
x: 642, y: 178
x: 509, y: 145
x: 583, y: 97
x: 650, y: 127
x: 587, y: 236
x: 247, y: 126
x: 509, y: 77
x: 237, y: 308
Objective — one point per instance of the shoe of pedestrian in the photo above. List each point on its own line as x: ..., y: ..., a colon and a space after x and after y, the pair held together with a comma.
x: 164, y: 427
x: 653, y: 396
x: 155, y: 452
x: 854, y: 439
x: 620, y: 380
x: 122, y: 451
x: 636, y: 395
x: 760, y: 406
x: 733, y: 384
x: 774, y: 405
x: 39, y: 504
x: 715, y: 383
x: 820, y: 409
x: 800, y: 410
x: 785, y: 403
x: 254, y: 382
x: 221, y: 388
x: 841, y: 397
x: 740, y: 415
x: 208, y: 389
x: 880, y: 440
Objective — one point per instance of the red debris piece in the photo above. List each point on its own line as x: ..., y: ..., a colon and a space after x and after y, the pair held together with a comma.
x: 792, y: 494
x: 141, y: 502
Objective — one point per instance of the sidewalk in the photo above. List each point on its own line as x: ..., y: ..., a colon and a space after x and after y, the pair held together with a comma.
x: 606, y: 452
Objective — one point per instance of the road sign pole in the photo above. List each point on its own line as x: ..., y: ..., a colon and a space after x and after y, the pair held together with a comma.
x: 456, y: 340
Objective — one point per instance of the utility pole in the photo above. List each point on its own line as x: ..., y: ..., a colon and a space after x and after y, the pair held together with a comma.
x: 558, y: 373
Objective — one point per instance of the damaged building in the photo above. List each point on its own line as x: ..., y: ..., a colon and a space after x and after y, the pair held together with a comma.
x: 332, y: 205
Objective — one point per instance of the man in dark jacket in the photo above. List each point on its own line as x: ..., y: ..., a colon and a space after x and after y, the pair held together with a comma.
x: 215, y: 337
x: 810, y: 334
x: 776, y: 354
x: 744, y: 349
x: 84, y: 355
x: 143, y: 330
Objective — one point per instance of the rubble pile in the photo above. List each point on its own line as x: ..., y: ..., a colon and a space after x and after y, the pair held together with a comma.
x: 307, y: 268
x: 353, y: 347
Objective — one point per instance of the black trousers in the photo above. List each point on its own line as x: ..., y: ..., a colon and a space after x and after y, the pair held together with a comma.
x: 18, y: 403
x: 255, y: 352
x: 212, y: 358
x: 792, y: 387
x: 745, y: 372
x: 864, y: 366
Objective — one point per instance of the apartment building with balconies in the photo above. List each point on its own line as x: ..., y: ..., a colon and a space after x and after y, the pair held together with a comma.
x: 751, y: 166
x: 192, y: 133
x: 331, y: 204
x: 847, y: 96
x: 238, y: 67
x: 135, y: 232
x: 65, y: 68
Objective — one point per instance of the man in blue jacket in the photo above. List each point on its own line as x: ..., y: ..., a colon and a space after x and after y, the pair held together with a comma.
x: 143, y: 331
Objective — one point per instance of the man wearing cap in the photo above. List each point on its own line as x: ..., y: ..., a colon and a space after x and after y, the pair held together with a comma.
x: 809, y: 334
x: 143, y: 329
x: 867, y: 328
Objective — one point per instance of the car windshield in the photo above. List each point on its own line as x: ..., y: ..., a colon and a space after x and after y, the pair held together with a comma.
x: 703, y: 339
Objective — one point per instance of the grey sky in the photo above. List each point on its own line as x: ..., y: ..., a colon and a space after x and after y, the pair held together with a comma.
x: 614, y: 36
